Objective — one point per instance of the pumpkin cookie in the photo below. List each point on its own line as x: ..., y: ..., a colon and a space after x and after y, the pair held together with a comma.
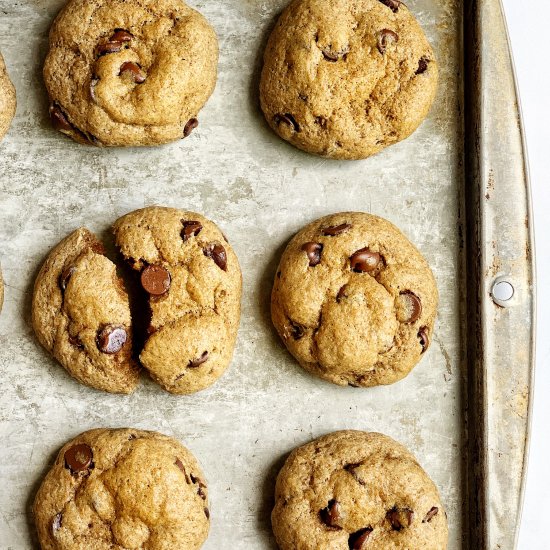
x: 346, y: 79
x: 129, y: 72
x: 354, y: 301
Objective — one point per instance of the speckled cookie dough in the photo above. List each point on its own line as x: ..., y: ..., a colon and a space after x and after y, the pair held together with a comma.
x: 122, y: 489
x: 360, y: 491
x: 81, y: 315
x: 354, y: 301
x: 129, y: 72
x: 8, y: 102
x: 346, y: 79
x: 194, y: 282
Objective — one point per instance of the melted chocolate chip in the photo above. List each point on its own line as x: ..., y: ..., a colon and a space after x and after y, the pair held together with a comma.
x: 201, y: 484
x: 409, y: 307
x: 193, y: 364
x: 335, y: 230
x: 156, y: 280
x: 134, y: 70
x: 392, y: 4
x: 59, y: 120
x: 190, y: 229
x: 207, y: 512
x: 399, y: 519
x: 75, y: 341
x: 297, y: 331
x: 422, y: 65
x: 359, y: 539
x: 431, y: 514
x: 121, y: 35
x: 56, y: 523
x: 111, y: 339
x: 365, y: 261
x: 179, y: 464
x: 108, y: 47
x: 190, y: 125
x: 287, y: 119
x: 424, y: 338
x: 65, y: 276
x: 217, y: 253
x: 331, y: 515
x: 386, y: 37
x: 78, y: 458
x: 313, y: 251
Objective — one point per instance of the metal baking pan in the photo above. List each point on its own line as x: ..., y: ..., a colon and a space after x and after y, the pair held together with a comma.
x: 458, y: 188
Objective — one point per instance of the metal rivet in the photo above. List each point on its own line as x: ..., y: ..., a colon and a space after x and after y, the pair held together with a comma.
x: 502, y: 292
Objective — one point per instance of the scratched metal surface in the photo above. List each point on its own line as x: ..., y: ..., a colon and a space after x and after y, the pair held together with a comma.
x: 260, y: 190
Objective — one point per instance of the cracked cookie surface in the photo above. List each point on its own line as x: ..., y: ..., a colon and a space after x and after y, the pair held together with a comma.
x: 122, y: 489
x: 7, y: 99
x: 354, y: 301
x: 81, y: 315
x: 360, y: 491
x: 193, y: 279
x: 129, y: 72
x: 346, y: 79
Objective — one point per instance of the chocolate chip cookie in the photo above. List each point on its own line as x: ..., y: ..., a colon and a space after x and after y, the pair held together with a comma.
x: 81, y: 315
x: 356, y: 490
x: 346, y: 79
x: 129, y: 72
x: 7, y: 99
x: 354, y: 301
x: 193, y: 280
x: 123, y: 488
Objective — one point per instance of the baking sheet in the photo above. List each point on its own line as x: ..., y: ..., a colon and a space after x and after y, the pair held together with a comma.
x: 260, y: 191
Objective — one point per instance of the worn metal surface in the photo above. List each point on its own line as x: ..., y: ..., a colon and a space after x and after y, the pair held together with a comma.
x: 500, y: 239
x: 260, y: 190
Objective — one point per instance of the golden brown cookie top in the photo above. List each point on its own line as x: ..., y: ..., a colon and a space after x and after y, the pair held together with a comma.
x: 346, y: 79
x: 129, y: 72
x: 7, y: 99
x: 123, y: 488
x: 356, y: 490
x: 193, y: 279
x: 354, y: 300
x: 81, y: 314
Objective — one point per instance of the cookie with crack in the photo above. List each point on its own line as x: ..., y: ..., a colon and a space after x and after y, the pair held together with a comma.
x: 129, y: 72
x: 123, y: 488
x: 344, y: 80
x: 81, y: 314
x: 356, y: 490
x: 8, y: 101
x: 354, y: 301
x: 193, y: 280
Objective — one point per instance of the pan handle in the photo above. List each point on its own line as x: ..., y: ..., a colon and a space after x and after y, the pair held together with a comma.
x: 501, y: 287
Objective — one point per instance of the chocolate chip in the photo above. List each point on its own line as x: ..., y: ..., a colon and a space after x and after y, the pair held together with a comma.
x: 56, y: 523
x: 107, y: 48
x: 121, y: 35
x: 422, y: 65
x: 321, y: 121
x: 359, y: 539
x: 179, y: 464
x: 351, y: 468
x: 190, y: 229
x: 156, y: 280
x: 330, y: 515
x: 313, y: 251
x: 335, y: 230
x: 424, y: 338
x: 392, y: 4
x: 333, y: 57
x: 297, y: 331
x: 111, y: 339
x: 78, y: 458
x: 287, y: 119
x: 59, y: 120
x: 217, y: 253
x: 341, y: 294
x: 365, y: 261
x: 75, y: 341
x: 199, y: 361
x: 409, y: 307
x: 431, y: 514
x: 134, y: 70
x: 400, y: 519
x: 207, y: 512
x: 201, y: 484
x: 65, y: 276
x: 191, y: 124
x: 385, y: 37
